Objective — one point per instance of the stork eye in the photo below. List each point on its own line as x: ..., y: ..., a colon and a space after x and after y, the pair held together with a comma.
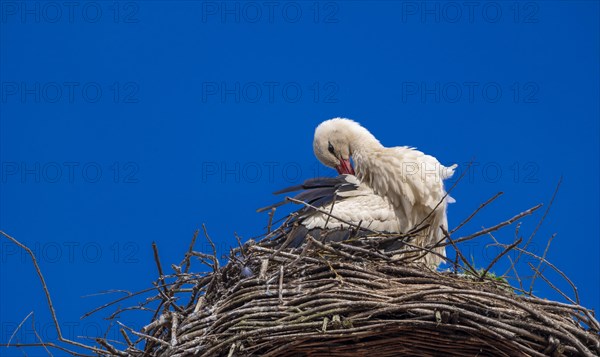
x: 331, y: 149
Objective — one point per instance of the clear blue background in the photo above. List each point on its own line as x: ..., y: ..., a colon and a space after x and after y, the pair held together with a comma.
x: 124, y: 123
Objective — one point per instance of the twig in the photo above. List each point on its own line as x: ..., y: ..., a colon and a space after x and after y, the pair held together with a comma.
x: 214, y: 249
x: 331, y: 210
x: 110, y: 348
x: 329, y: 248
x: 126, y: 337
x: 540, y: 221
x: 270, y: 223
x: 516, y: 275
x: 506, y: 250
x: 42, y: 280
x: 45, y: 345
x: 550, y: 284
x: 540, y: 262
x: 38, y: 336
x: 281, y: 284
x: 496, y: 227
x: 477, y: 211
x: 188, y: 256
x: 554, y: 268
x: 161, y: 278
x: 49, y: 299
x: 18, y: 328
x: 462, y: 257
x: 145, y: 336
x: 174, y: 326
x: 240, y: 246
x: 508, y: 256
x: 119, y: 300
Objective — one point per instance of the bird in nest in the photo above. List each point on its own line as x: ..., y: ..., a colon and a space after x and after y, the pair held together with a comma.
x: 392, y: 190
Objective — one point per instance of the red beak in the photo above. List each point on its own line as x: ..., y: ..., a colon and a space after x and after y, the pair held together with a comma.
x: 345, y: 167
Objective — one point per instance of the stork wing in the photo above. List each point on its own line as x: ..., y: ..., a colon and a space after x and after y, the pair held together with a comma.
x: 319, y: 191
x: 409, y: 178
x: 347, y: 209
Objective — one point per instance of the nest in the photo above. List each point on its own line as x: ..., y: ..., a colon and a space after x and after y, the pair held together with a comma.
x: 344, y: 299
x: 347, y: 298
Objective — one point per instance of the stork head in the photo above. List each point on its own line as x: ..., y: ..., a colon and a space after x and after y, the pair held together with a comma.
x: 334, y: 142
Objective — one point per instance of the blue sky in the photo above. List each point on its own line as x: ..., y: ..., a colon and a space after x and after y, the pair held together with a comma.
x: 124, y: 123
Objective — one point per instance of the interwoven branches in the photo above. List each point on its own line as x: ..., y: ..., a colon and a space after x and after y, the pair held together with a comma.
x: 337, y: 300
x: 349, y: 299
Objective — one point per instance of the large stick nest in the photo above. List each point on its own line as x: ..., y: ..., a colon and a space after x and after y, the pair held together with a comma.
x: 348, y: 298
x: 342, y: 299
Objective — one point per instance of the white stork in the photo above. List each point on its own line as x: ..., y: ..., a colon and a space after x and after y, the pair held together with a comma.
x: 394, y: 190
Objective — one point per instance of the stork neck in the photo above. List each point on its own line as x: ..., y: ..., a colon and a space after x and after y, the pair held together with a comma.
x: 364, y: 141
x: 364, y: 149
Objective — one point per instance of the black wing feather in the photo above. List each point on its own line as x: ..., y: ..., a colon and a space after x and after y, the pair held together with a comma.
x: 316, y: 182
x: 318, y: 191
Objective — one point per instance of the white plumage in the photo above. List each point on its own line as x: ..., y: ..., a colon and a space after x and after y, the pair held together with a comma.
x: 394, y: 190
x: 359, y: 205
